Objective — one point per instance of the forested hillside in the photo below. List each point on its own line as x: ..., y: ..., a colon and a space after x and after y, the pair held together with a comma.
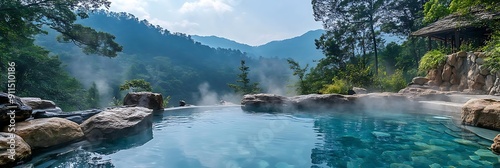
x: 173, y: 63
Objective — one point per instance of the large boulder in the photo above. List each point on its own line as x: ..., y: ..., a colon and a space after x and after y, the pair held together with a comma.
x: 419, y: 80
x: 37, y: 103
x: 116, y: 123
x: 144, y: 99
x: 359, y: 90
x: 47, y: 132
x: 8, y: 108
x: 13, y: 149
x: 263, y: 102
x: 495, y: 147
x: 483, y: 113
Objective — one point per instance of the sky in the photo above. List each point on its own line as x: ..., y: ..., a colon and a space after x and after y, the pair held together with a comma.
x: 253, y: 22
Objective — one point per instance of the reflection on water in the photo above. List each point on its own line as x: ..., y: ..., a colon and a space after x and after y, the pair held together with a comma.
x: 231, y: 138
x: 397, y: 140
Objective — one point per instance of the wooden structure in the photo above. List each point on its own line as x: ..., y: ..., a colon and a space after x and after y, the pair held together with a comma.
x: 454, y: 29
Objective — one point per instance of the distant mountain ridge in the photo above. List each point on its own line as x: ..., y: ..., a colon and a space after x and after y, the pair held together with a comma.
x: 300, y: 48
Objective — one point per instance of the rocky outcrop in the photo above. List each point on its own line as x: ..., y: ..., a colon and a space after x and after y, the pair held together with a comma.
x: 47, y: 132
x: 422, y: 93
x: 316, y: 101
x: 359, y: 90
x: 464, y: 72
x: 483, y: 113
x: 495, y: 147
x: 118, y: 122
x: 144, y: 99
x: 75, y: 116
x: 263, y: 102
x: 13, y: 149
x: 276, y: 103
x: 37, y: 103
x: 21, y: 111
x: 419, y: 80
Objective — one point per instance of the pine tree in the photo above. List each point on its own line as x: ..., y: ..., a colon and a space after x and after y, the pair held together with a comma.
x: 246, y: 87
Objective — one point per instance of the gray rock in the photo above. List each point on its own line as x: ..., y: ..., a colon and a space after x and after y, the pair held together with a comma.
x: 144, y: 99
x: 420, y: 80
x: 359, y: 90
x: 37, y: 103
x: 263, y: 102
x: 116, y: 123
x: 21, y: 111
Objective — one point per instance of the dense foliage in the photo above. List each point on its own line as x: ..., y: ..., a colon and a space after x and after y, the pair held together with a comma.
x: 431, y: 60
x: 136, y: 85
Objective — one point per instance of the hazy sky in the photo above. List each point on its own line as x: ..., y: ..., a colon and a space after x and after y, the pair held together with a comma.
x: 252, y: 22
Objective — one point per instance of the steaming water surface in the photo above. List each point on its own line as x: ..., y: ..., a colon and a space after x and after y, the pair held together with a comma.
x: 231, y: 138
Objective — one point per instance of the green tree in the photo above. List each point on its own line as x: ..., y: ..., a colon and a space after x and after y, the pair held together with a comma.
x: 136, y: 85
x: 93, y: 99
x: 20, y: 20
x: 299, y: 72
x: 357, y: 15
x: 40, y: 75
x: 246, y: 87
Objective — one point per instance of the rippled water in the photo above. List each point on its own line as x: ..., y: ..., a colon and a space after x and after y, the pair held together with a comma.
x: 231, y: 138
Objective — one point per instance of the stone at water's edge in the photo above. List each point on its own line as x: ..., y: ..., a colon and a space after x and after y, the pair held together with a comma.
x: 37, y: 103
x: 22, y: 149
x: 22, y: 111
x: 359, y: 90
x: 47, y: 132
x: 483, y: 113
x: 144, y: 99
x: 420, y: 80
x: 495, y: 147
x: 263, y: 102
x: 116, y: 123
x: 315, y: 101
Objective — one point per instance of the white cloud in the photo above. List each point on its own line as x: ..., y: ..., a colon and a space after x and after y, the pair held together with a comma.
x: 136, y: 7
x: 206, y: 5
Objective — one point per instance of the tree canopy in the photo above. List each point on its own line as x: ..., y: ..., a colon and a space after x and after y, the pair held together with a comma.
x: 20, y: 20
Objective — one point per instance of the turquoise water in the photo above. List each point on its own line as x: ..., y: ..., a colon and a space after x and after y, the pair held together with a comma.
x: 231, y: 138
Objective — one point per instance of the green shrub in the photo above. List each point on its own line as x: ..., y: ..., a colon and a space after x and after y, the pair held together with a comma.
x: 431, y: 60
x: 492, y: 50
x: 339, y: 86
x: 392, y: 83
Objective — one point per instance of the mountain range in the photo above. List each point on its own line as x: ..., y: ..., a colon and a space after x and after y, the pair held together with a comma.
x: 300, y: 48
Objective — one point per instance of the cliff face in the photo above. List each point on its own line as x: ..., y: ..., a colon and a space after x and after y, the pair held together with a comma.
x: 465, y: 72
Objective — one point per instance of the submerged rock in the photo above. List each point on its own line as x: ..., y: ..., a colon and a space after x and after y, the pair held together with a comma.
x: 483, y: 113
x: 118, y: 122
x: 21, y: 152
x: 495, y: 147
x: 144, y: 99
x: 21, y: 111
x: 47, y: 132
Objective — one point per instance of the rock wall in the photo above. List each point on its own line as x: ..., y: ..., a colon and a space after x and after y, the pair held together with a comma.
x: 465, y: 72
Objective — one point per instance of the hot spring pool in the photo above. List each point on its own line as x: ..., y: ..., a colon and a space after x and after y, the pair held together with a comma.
x: 230, y: 138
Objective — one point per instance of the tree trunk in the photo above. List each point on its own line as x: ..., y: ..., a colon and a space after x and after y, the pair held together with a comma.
x: 374, y: 39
